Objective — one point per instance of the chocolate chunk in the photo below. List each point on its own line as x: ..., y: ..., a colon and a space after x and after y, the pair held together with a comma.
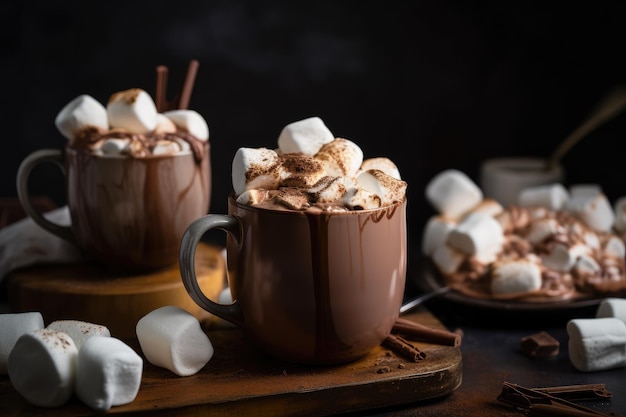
x: 540, y: 345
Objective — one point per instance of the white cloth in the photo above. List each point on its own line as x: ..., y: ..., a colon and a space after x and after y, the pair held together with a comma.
x: 25, y: 243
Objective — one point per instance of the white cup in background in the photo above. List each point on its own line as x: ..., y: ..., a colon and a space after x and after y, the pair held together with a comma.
x: 503, y: 178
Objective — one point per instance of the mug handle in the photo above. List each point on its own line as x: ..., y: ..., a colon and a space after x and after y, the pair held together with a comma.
x: 23, y: 173
x: 189, y: 242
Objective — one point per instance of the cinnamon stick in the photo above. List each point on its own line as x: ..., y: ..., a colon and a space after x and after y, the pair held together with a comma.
x: 404, y: 347
x: 161, y: 89
x: 427, y: 334
x: 190, y: 78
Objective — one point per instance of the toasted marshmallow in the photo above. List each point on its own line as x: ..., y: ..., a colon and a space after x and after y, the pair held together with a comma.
x: 42, y: 367
x: 388, y: 188
x: 341, y: 157
x: 382, y: 163
x: 166, y: 147
x: 436, y: 233
x: 515, y: 277
x: 552, y: 196
x: 488, y: 206
x: 108, y: 373
x: 115, y: 146
x: 79, y: 330
x: 253, y: 197
x: 299, y: 170
x: 593, y: 209
x: 172, y: 338
x: 542, y: 229
x: 255, y: 168
x: 453, y: 193
x: 619, y: 209
x: 447, y: 259
x: 191, y: 122
x: 164, y: 125
x: 361, y: 199
x: 612, y: 307
x: 12, y: 326
x: 597, y: 344
x: 562, y: 257
x: 84, y: 112
x: 332, y: 189
x: 475, y: 234
x: 132, y: 110
x: 306, y: 136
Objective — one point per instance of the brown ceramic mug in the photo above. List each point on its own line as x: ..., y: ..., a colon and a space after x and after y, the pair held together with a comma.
x: 128, y: 213
x: 315, y: 288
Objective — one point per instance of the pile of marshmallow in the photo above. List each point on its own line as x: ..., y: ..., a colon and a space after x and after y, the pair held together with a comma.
x: 129, y: 115
x: 313, y: 167
x: 47, y: 365
x: 554, y: 243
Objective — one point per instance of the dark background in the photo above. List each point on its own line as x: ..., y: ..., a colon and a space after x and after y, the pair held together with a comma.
x: 430, y: 84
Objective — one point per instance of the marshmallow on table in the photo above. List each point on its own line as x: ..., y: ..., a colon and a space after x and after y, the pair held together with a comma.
x: 255, y: 168
x: 384, y: 164
x: 42, y: 367
x: 12, y: 326
x: 597, y: 344
x: 306, y: 136
x: 612, y: 307
x: 388, y: 188
x: 108, y: 373
x: 341, y: 157
x: 84, y: 112
x: 552, y: 196
x: 514, y: 277
x: 172, y: 338
x: 132, y: 110
x: 453, y: 193
x: 190, y: 121
x: 475, y: 234
x: 435, y: 233
x: 79, y: 330
x: 593, y: 209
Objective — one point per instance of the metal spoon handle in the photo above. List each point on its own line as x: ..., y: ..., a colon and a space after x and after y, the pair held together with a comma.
x: 410, y: 305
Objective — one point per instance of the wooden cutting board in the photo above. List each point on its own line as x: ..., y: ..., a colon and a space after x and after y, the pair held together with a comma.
x: 240, y: 380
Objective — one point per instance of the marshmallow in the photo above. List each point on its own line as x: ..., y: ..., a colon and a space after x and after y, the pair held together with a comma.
x: 552, y: 196
x: 619, y: 209
x: 253, y: 197
x: 447, y: 260
x: 108, y: 373
x: 386, y: 165
x: 172, y: 338
x: 191, y: 122
x: 164, y: 125
x: 165, y: 147
x: 586, y: 266
x: 453, y: 193
x: 361, y: 199
x: 597, y: 344
x: 132, y: 110
x: 542, y: 229
x: 42, y: 367
x: 332, y: 189
x: 298, y: 170
x: 585, y: 190
x: 115, y: 146
x: 514, y: 277
x: 476, y: 233
x: 612, y: 307
x: 12, y: 326
x: 562, y: 257
x: 488, y: 206
x: 84, y: 112
x: 435, y: 233
x: 389, y: 189
x: 306, y: 136
x: 78, y: 330
x: 255, y: 168
x: 614, y: 246
x: 593, y: 209
x: 341, y: 157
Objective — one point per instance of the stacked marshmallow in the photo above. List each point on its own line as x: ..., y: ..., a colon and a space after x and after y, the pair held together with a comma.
x: 48, y: 365
x: 554, y: 243
x: 311, y: 166
x: 128, y: 114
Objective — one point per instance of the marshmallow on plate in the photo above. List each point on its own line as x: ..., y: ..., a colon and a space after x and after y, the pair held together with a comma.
x: 515, y: 277
x: 42, y: 367
x: 108, y: 373
x: 562, y: 257
x: 12, y: 326
x: 453, y: 193
x: 341, y: 157
x: 190, y: 121
x: 388, y: 188
x: 384, y: 164
x: 594, y: 209
x: 172, y: 338
x: 79, y: 330
x: 84, y: 112
x: 476, y: 234
x: 132, y: 110
x: 306, y: 136
x: 447, y: 259
x: 255, y: 168
x: 552, y: 196
x: 597, y: 344
x: 619, y: 209
x: 436, y: 232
